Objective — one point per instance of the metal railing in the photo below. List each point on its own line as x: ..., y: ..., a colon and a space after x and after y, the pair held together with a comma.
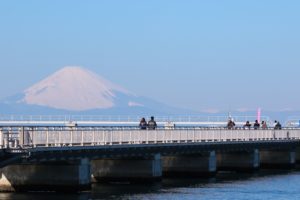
x: 92, y: 120
x: 34, y: 137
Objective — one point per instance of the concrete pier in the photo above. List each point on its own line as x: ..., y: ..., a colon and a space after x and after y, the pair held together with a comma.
x: 298, y: 155
x: 277, y: 159
x: 46, y: 177
x: 127, y: 170
x: 238, y: 161
x: 203, y: 164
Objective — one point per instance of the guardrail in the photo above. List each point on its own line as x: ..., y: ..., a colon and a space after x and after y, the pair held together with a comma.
x: 34, y: 137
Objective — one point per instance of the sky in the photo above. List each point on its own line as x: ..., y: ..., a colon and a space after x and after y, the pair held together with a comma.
x: 201, y: 55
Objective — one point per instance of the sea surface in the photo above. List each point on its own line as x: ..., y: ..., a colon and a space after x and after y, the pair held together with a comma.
x: 273, y: 185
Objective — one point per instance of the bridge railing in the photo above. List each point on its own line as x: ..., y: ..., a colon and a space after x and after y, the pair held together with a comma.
x: 120, y: 118
x: 30, y: 137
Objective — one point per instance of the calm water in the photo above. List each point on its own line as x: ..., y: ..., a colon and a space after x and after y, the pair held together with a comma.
x: 273, y: 185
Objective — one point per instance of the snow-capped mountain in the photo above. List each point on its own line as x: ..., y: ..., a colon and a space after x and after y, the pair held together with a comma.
x: 78, y: 90
x: 75, y: 89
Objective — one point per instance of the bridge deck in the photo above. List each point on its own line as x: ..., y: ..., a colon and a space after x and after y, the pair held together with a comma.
x: 39, y: 143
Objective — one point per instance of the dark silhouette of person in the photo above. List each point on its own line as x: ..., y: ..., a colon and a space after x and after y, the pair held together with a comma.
x: 143, y: 124
x: 247, y: 125
x: 277, y: 125
x: 152, y: 124
x: 230, y: 124
x: 256, y: 125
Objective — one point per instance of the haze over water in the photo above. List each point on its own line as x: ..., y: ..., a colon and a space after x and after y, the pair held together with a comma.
x: 275, y: 185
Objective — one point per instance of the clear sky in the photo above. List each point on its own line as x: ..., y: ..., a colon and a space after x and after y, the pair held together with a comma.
x: 203, y: 55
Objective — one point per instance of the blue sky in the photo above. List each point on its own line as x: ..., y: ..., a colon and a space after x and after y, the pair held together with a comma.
x: 202, y: 55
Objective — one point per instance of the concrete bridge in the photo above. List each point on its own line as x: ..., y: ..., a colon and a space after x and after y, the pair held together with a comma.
x: 70, y: 158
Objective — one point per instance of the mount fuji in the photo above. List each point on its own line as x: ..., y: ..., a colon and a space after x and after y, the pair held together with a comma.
x: 75, y: 90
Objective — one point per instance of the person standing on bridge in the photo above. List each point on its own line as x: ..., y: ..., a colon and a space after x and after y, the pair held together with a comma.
x: 264, y: 125
x: 230, y: 124
x: 277, y: 125
x: 256, y: 124
x: 143, y: 124
x: 247, y: 125
x: 152, y: 124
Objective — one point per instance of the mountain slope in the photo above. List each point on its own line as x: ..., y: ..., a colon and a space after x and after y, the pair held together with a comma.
x: 75, y: 90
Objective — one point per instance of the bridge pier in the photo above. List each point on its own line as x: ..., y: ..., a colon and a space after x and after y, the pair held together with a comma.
x: 51, y: 176
x: 274, y: 159
x: 298, y: 155
x: 203, y: 164
x: 238, y: 160
x: 128, y: 170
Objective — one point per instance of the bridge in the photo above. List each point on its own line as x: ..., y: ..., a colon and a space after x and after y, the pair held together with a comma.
x: 72, y: 157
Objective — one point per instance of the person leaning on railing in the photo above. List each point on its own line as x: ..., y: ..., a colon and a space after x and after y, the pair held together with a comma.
x: 247, y: 125
x: 230, y: 124
x: 264, y: 125
x: 256, y: 124
x: 143, y: 124
x: 152, y: 124
x: 277, y: 125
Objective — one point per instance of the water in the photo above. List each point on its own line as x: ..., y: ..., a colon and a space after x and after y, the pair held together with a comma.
x: 275, y: 185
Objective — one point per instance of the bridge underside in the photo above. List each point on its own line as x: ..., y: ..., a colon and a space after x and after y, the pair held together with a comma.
x: 139, y: 169
x: 53, y: 176
x: 193, y: 165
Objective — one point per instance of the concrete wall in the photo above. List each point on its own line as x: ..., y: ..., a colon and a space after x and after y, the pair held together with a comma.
x: 238, y: 161
x: 278, y: 158
x: 190, y: 165
x: 46, y: 177
x: 130, y: 170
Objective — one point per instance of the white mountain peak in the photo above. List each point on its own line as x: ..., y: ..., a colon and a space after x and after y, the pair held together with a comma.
x: 74, y: 88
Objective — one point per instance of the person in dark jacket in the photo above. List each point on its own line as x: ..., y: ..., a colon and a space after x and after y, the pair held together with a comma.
x: 256, y: 125
x: 230, y: 124
x: 143, y: 124
x: 152, y: 124
x: 247, y: 125
x: 277, y: 125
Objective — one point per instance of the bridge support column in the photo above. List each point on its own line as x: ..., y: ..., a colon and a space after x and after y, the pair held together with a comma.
x: 298, y: 155
x: 203, y: 164
x: 238, y: 161
x: 128, y: 170
x: 276, y: 159
x: 52, y: 176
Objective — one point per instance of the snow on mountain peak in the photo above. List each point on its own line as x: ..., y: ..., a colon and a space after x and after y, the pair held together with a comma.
x: 74, y: 88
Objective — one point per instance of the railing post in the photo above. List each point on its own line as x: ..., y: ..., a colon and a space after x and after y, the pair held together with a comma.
x: 59, y: 138
x: 33, y: 138
x: 111, y: 137
x: 120, y: 137
x: 81, y: 138
x: 93, y: 139
x: 147, y: 137
x: 71, y: 139
x: 1, y: 139
x: 47, y: 138
x: 193, y: 135
x: 180, y: 136
x: 130, y: 137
